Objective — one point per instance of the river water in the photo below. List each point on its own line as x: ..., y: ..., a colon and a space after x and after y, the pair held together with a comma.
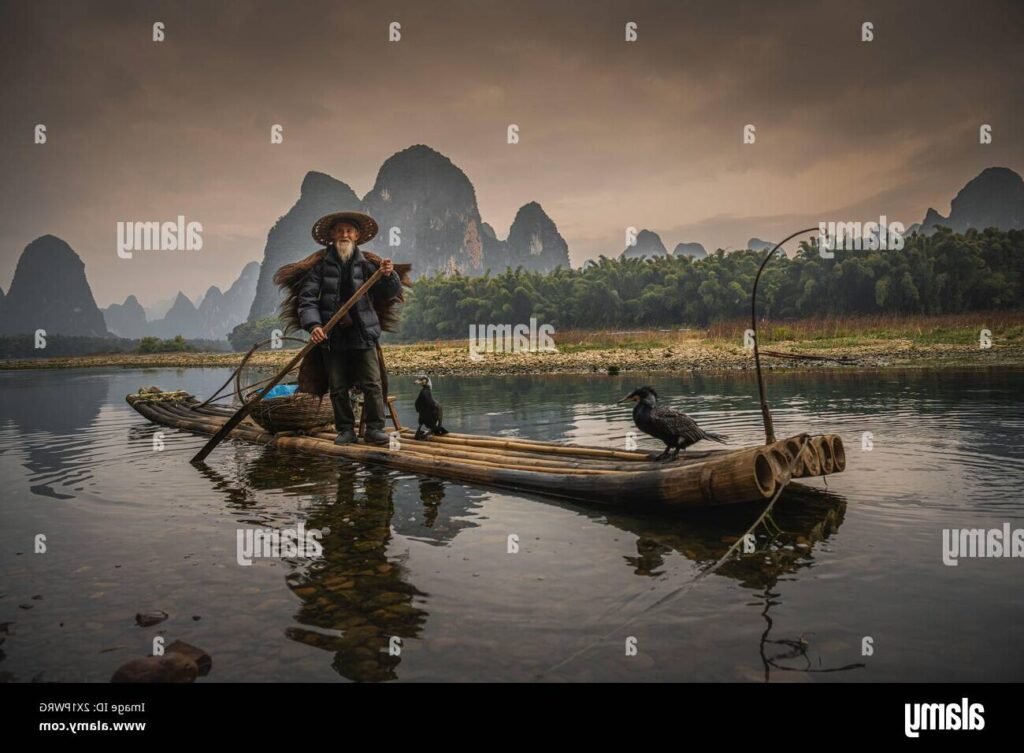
x: 416, y: 581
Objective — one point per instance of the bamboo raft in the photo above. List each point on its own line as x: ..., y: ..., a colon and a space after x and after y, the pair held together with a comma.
x: 581, y: 473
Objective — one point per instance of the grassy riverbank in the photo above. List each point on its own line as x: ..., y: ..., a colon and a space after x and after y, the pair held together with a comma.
x: 880, y: 341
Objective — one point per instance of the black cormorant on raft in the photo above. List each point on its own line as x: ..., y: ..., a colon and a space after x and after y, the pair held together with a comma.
x: 596, y: 475
x: 673, y: 427
x: 428, y: 411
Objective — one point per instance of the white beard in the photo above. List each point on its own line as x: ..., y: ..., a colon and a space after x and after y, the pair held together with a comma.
x: 344, y: 249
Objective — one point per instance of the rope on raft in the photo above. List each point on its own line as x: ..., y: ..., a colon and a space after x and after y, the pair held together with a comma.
x: 699, y: 576
x: 156, y: 395
x: 238, y: 370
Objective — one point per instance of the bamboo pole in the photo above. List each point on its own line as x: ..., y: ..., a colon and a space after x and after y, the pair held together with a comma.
x: 503, y: 444
x: 521, y: 458
x: 540, y: 453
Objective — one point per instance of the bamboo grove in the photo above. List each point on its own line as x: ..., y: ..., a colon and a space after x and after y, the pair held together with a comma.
x: 937, y: 274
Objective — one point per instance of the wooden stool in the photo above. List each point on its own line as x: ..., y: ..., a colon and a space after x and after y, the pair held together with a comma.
x: 390, y: 403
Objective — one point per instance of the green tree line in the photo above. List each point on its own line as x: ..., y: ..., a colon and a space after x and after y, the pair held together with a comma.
x: 936, y: 274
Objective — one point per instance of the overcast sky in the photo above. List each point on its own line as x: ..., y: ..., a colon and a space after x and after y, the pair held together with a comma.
x: 613, y: 134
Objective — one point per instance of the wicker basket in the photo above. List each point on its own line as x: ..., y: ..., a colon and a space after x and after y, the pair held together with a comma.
x: 299, y: 412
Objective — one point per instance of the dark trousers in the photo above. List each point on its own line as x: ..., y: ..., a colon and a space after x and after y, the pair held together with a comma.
x: 355, y: 368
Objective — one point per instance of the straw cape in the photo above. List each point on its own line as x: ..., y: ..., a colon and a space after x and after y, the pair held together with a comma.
x: 313, y: 371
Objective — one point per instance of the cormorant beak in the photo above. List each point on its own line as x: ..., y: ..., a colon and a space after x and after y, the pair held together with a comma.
x: 628, y: 398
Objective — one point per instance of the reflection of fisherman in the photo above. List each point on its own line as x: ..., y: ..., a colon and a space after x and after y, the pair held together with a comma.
x: 350, y: 350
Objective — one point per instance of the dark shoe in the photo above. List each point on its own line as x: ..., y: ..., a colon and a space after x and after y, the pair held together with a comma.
x: 345, y: 437
x: 376, y: 436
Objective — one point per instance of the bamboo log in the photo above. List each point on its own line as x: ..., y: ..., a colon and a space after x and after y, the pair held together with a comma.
x: 521, y: 460
x: 809, y: 459
x: 183, y: 417
x: 711, y: 478
x: 824, y: 450
x: 188, y: 414
x: 838, y: 452
x: 780, y: 459
x: 536, y: 466
x: 541, y: 452
x: 540, y: 459
x: 497, y: 461
x: 793, y: 462
x: 511, y: 444
x: 793, y: 448
x: 744, y: 475
x: 168, y: 418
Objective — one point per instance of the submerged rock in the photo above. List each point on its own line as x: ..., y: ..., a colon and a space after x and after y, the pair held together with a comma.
x: 153, y: 617
x: 171, y: 667
x: 195, y: 654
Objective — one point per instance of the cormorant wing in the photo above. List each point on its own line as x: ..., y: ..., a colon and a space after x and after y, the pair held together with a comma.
x: 678, y: 423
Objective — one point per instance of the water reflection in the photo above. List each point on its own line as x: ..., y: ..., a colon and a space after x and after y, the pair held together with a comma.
x: 791, y: 654
x: 52, y: 415
x: 356, y: 600
x: 412, y: 558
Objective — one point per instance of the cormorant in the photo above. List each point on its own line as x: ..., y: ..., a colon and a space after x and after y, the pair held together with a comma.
x: 428, y: 410
x: 673, y: 427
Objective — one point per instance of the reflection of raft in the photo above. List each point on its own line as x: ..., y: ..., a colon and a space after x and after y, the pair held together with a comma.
x: 586, y: 474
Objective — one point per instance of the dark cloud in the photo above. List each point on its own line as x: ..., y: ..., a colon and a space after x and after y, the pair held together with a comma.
x: 615, y: 135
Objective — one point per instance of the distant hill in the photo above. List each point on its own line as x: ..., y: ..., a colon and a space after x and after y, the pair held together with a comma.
x: 50, y: 292
x: 995, y: 198
x: 433, y: 203
x: 648, y: 244
x: 126, y: 319
x: 215, y: 316
x: 533, y: 243
x: 289, y: 239
x: 222, y: 312
x: 693, y: 250
x: 181, y: 319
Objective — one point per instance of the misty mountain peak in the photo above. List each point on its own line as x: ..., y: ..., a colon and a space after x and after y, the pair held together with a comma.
x: 995, y: 198
x: 693, y: 250
x: 534, y: 241
x: 431, y: 203
x: 648, y: 243
x: 50, y: 292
